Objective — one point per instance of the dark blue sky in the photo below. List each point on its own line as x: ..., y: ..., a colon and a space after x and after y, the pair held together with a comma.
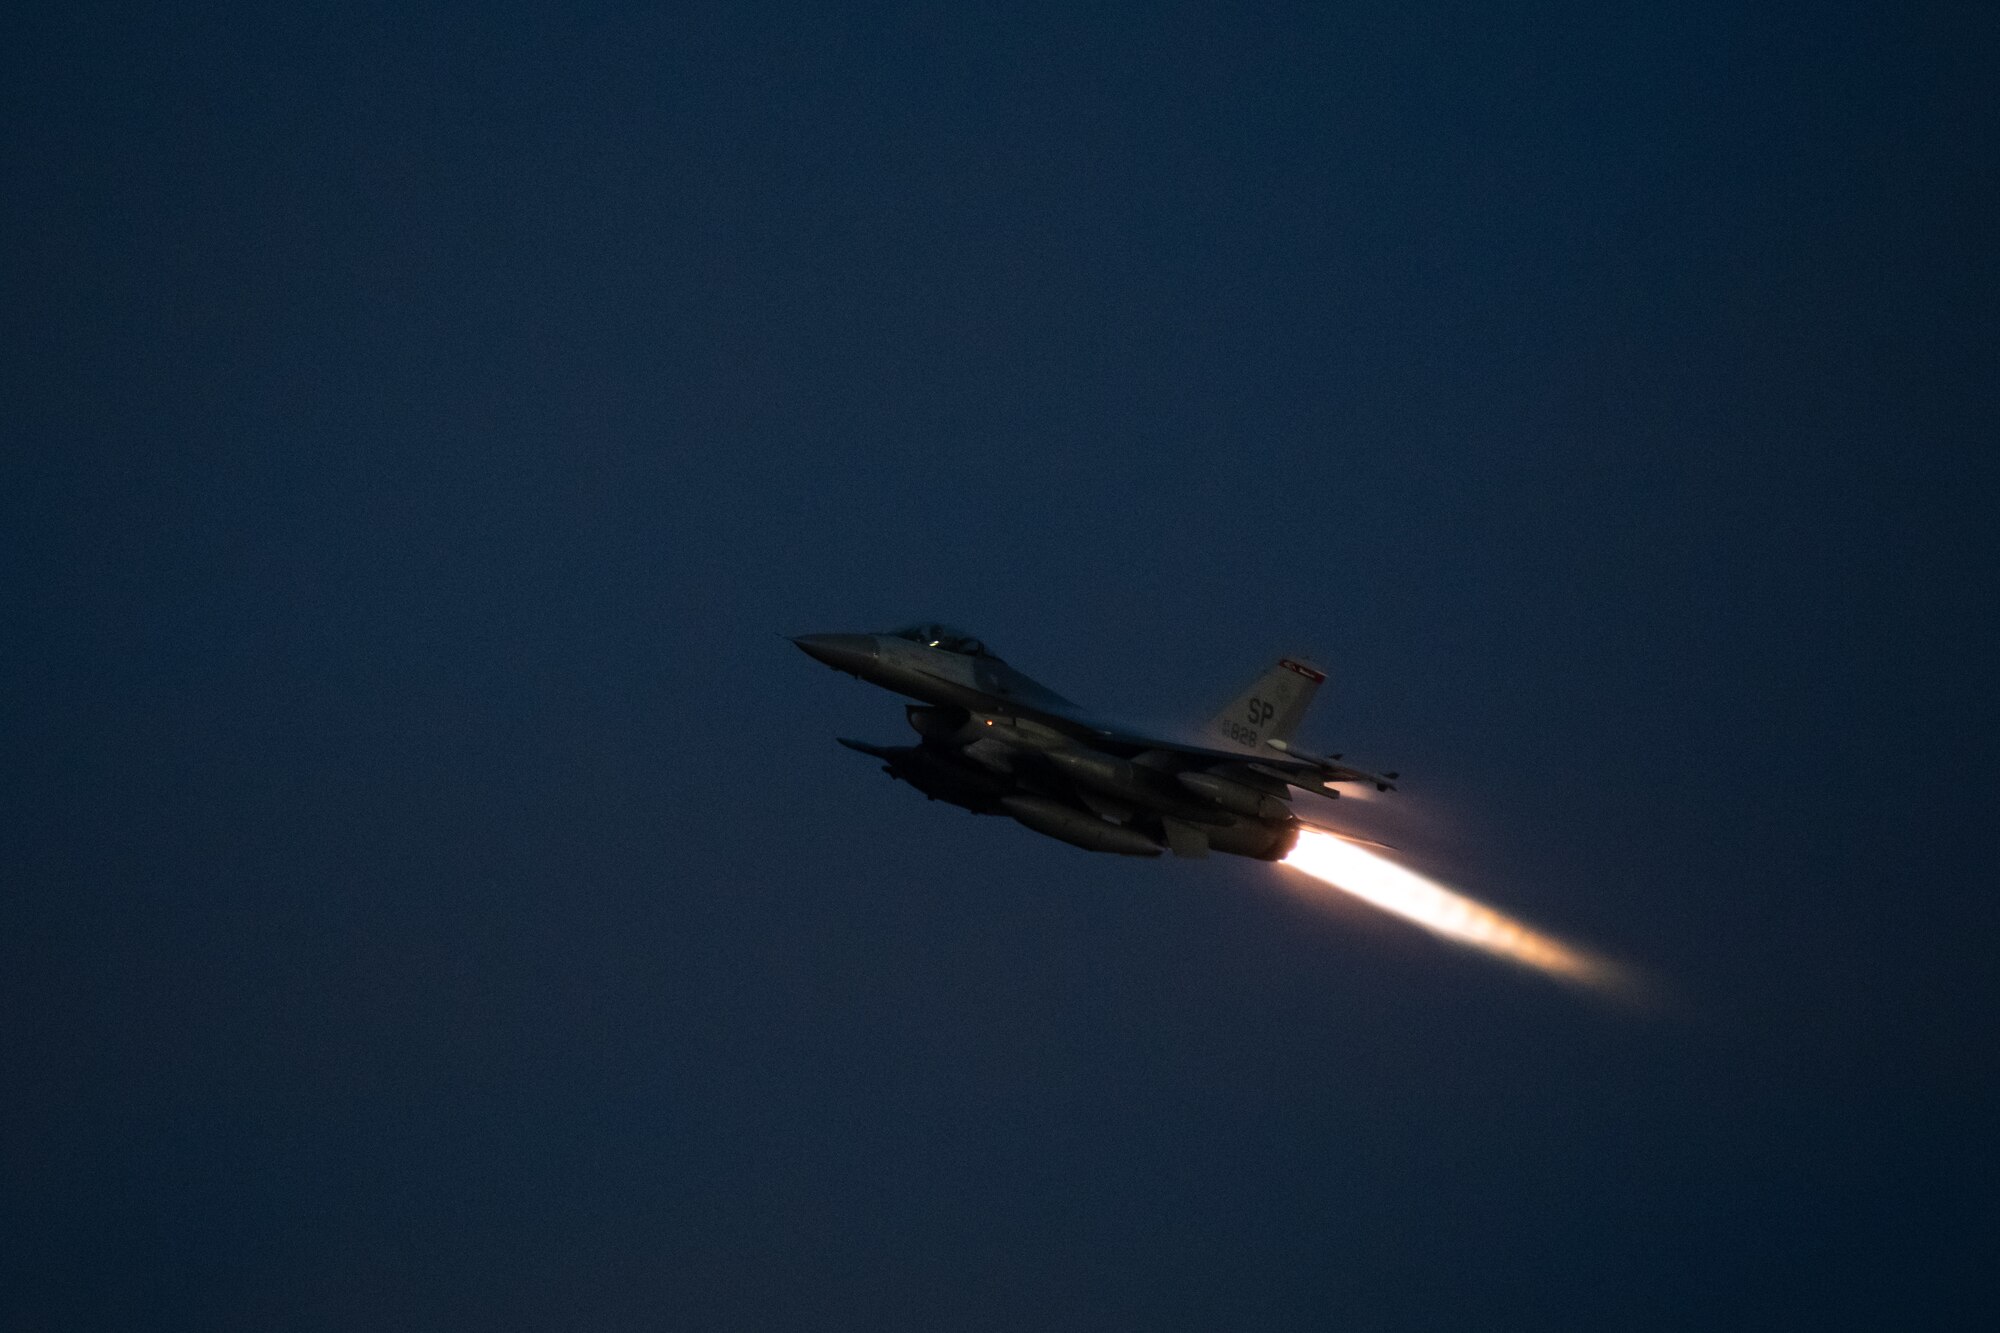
x: 432, y: 897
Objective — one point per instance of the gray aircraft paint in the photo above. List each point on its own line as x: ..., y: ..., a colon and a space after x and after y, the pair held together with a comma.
x: 996, y: 741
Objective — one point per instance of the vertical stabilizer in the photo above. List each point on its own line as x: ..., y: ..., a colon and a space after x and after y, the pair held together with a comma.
x: 1270, y: 710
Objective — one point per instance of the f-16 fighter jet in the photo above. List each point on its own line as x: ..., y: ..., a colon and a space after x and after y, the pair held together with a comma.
x: 998, y: 743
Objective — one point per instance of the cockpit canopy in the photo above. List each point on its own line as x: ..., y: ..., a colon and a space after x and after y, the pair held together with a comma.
x: 948, y: 638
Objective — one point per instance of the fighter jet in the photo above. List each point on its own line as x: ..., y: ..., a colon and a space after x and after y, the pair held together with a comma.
x: 999, y: 743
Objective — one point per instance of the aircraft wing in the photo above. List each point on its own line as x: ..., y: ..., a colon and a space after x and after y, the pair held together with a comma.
x: 1313, y: 773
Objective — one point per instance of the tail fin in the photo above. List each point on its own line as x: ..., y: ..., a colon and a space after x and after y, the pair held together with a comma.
x: 1270, y: 710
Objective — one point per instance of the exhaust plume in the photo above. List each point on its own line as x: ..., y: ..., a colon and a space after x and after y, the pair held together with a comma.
x: 1358, y: 871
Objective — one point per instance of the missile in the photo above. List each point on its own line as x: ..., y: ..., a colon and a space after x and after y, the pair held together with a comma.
x: 937, y: 774
x: 1332, y: 771
x: 1126, y: 781
x: 1077, y: 828
x: 1234, y: 796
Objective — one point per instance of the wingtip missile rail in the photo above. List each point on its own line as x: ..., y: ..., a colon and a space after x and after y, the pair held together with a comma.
x: 1332, y: 771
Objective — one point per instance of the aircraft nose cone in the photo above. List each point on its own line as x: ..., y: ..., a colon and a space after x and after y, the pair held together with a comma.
x: 843, y: 652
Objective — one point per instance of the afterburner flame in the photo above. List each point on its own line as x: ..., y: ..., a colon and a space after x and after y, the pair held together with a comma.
x: 1357, y: 870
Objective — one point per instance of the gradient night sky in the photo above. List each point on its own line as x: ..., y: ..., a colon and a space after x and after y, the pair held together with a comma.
x: 432, y: 897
